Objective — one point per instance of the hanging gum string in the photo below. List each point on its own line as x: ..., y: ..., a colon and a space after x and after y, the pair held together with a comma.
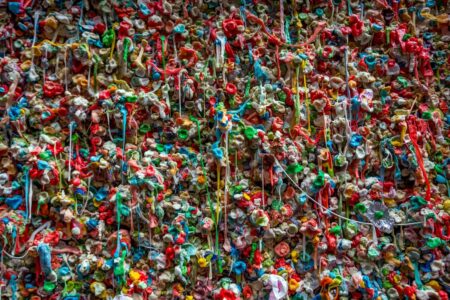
x: 44, y: 68
x: 124, y: 138
x: 219, y: 260
x: 282, y: 20
x: 418, y: 154
x: 96, y: 63
x: 30, y: 198
x: 58, y: 167
x: 227, y: 178
x: 262, y: 182
x: 305, y: 87
x: 214, y: 217
x: 277, y: 57
x: 330, y: 159
x: 36, y: 20
x: 179, y: 93
x: 163, y: 56
x: 70, y: 150
x: 1, y: 270
x: 304, y: 245
x: 27, y: 191
x: 330, y: 211
x: 118, y: 217
x: 261, y: 23
x: 218, y: 193
x: 113, y: 44
x: 297, y: 96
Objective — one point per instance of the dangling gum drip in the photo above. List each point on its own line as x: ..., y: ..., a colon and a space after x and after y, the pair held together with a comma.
x: 218, y: 216
x: 36, y: 19
x: 124, y: 137
x: 155, y: 196
x: 113, y: 44
x: 118, y: 217
x: 58, y: 167
x: 179, y: 89
x: 175, y: 50
x: 329, y: 159
x: 44, y: 69
x: 85, y: 197
x: 9, y: 45
x: 315, y: 242
x: 57, y: 63
x: 262, y: 182
x: 30, y: 200
x: 413, y: 136
x: 236, y: 169
x: 374, y: 235
x: 127, y: 45
x: 65, y: 69
x: 122, y: 83
x: 109, y: 125
x: 349, y: 8
x: 333, y: 10
x: 27, y: 191
x: 11, y: 94
x: 96, y: 63
x: 401, y: 242
x: 120, y: 59
x: 220, y: 51
x: 55, y: 35
x: 304, y: 245
x: 218, y: 194
x: 416, y: 71
x: 403, y: 129
x: 305, y: 87
x: 134, y: 200
x: 1, y: 269
x: 80, y: 20
x: 70, y: 149
x: 89, y: 76
x: 277, y: 56
x: 283, y: 36
x: 295, y: 85
x: 227, y: 178
x: 138, y: 60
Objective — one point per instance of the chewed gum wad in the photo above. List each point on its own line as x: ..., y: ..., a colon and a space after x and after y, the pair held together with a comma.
x: 208, y: 149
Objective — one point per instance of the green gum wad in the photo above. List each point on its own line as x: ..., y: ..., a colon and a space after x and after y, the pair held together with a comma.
x: 49, y: 286
x: 379, y: 214
x: 108, y: 37
x: 402, y: 81
x: 435, y: 242
x: 250, y: 132
x: 336, y: 230
x: 45, y: 155
x: 183, y: 134
x: 75, y: 138
x: 373, y: 253
x: 319, y: 181
x: 294, y: 168
x: 119, y: 270
x: 426, y: 115
x: 132, y: 99
x: 276, y: 205
x: 144, y: 128
x: 361, y: 208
